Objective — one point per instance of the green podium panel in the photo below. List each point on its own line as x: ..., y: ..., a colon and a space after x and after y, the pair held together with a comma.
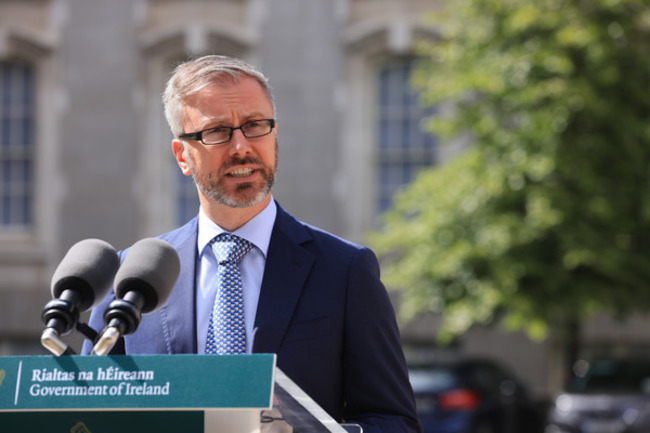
x: 161, y: 393
x: 136, y: 382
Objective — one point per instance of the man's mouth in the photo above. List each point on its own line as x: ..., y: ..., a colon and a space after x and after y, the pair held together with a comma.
x: 241, y: 172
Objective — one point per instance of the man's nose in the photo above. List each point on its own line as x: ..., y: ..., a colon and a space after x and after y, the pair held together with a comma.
x: 239, y: 144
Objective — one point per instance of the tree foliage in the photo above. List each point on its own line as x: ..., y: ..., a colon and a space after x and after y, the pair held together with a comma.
x: 545, y: 219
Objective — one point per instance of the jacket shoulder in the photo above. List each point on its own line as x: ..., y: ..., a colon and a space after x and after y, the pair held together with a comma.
x: 181, y: 234
x: 310, y: 236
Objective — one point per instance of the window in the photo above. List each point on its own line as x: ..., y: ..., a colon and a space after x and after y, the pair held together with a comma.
x: 403, y: 147
x: 17, y: 128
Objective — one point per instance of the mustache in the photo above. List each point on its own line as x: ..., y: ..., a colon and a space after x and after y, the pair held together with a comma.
x: 235, y: 161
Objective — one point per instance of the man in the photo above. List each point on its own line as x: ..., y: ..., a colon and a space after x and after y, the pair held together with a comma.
x: 313, y: 299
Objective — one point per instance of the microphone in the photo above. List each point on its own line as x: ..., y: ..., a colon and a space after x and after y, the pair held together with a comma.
x: 80, y: 281
x: 142, y: 285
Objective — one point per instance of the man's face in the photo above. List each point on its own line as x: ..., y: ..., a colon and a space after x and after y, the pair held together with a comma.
x: 241, y: 172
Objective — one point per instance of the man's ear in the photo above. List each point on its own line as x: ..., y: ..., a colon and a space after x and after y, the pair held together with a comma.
x: 181, y: 156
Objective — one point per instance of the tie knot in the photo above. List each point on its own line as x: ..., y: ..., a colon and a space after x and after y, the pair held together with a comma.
x: 229, y: 248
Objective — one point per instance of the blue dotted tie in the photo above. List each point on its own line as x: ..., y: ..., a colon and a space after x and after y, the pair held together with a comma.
x: 226, y: 330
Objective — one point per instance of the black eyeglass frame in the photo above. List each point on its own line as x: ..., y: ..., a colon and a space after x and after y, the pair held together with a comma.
x: 198, y: 136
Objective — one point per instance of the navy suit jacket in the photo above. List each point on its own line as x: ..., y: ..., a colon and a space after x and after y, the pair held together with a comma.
x: 322, y: 309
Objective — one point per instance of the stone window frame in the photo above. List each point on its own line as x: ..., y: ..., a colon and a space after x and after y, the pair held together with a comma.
x: 368, y: 45
x: 35, y: 243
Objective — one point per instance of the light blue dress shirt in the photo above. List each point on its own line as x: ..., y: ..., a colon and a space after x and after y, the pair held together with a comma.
x: 258, y: 232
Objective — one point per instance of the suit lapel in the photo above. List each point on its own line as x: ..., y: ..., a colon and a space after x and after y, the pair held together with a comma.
x: 287, y: 266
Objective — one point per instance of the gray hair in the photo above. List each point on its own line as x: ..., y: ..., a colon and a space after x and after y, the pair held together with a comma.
x: 194, y: 75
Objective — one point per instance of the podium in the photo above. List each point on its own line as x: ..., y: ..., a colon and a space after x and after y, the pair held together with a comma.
x: 162, y: 393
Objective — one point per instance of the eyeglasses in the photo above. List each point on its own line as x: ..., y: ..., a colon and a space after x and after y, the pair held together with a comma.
x: 223, y: 134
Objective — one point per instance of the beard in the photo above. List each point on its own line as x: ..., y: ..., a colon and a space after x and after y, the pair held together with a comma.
x: 244, y: 195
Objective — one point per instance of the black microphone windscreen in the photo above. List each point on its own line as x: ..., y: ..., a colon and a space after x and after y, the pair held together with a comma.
x: 88, y: 269
x: 151, y: 267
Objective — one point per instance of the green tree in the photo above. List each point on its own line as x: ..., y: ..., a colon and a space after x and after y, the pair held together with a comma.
x: 545, y: 219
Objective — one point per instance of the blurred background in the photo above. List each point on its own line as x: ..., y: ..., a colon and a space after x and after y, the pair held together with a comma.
x: 85, y: 153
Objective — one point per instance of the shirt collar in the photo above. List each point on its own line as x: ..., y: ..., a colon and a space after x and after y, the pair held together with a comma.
x: 257, y: 231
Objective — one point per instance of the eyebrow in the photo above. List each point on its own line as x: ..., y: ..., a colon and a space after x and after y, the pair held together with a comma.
x: 216, y: 123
